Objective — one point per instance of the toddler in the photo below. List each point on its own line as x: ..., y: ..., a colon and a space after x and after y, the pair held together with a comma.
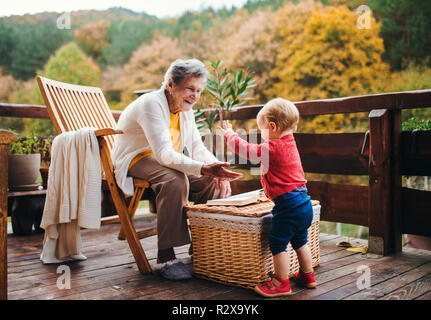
x: 283, y: 181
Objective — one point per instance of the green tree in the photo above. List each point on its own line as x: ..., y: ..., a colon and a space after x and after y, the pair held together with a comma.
x: 124, y: 37
x: 70, y: 64
x: 32, y: 46
x: 406, y: 30
x: 6, y: 44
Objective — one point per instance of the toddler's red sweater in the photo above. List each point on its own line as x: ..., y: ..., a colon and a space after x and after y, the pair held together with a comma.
x: 280, y: 164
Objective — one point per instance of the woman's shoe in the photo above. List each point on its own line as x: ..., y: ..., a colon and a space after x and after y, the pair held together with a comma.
x: 176, y: 271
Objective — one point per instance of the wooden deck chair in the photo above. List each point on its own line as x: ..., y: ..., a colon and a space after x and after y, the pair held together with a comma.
x: 72, y: 107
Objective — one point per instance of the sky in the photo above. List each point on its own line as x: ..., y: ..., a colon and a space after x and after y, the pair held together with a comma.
x: 159, y: 8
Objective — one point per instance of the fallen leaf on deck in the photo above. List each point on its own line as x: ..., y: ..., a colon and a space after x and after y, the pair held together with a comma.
x: 344, y: 244
x: 359, y: 249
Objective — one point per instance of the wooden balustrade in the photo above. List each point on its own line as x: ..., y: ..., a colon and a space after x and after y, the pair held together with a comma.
x: 6, y: 137
x: 384, y: 153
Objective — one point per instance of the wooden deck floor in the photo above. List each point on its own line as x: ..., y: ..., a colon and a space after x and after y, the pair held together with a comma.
x: 110, y: 273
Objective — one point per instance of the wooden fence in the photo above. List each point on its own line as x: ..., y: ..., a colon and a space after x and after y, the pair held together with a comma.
x: 384, y: 153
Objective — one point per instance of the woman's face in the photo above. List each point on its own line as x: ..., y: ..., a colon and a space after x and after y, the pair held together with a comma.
x: 185, y: 94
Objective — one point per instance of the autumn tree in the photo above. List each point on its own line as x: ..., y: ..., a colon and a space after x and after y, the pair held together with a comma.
x: 246, y: 42
x: 92, y: 37
x: 71, y: 65
x: 332, y: 58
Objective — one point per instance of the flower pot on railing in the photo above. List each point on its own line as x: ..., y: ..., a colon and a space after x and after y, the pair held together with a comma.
x: 24, y: 159
x: 23, y: 170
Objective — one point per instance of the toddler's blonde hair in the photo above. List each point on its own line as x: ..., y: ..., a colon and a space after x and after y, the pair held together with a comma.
x: 282, y: 112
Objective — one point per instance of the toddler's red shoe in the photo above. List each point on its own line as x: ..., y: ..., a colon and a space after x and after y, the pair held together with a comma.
x: 305, y: 279
x: 276, y: 287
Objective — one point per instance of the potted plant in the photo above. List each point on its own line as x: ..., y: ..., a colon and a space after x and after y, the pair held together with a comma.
x: 24, y: 163
x: 228, y: 89
x: 45, y: 152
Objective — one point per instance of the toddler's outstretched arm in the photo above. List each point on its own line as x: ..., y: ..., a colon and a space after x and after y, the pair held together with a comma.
x: 241, y: 147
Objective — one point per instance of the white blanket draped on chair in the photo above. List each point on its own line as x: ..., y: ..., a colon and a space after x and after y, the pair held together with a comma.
x: 73, y: 198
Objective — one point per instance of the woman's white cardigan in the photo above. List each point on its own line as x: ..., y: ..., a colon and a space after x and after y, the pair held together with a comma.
x: 145, y: 123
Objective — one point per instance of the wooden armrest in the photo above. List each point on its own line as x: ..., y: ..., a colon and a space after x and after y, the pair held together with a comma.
x: 107, y: 132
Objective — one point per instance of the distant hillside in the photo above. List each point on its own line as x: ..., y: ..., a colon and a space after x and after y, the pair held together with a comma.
x: 80, y: 17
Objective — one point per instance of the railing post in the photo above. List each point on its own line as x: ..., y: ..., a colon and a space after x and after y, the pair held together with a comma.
x: 6, y: 137
x: 384, y: 182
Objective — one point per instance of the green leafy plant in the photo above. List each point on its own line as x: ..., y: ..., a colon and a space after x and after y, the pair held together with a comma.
x: 229, y: 89
x: 415, y: 124
x: 45, y: 150
x: 25, y: 145
x: 33, y: 143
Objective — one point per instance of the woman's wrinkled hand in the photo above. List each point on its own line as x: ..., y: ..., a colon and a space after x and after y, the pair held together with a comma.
x: 224, y: 187
x: 218, y: 170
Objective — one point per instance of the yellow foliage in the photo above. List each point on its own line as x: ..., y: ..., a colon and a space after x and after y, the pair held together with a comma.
x: 331, y: 58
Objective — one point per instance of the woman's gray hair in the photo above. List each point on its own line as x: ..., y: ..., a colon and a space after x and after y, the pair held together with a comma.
x: 181, y: 69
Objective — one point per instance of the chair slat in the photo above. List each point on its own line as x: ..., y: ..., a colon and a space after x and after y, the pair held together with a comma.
x: 71, y: 108
x: 91, y: 110
x: 64, y: 116
x: 86, y: 109
x: 83, y: 121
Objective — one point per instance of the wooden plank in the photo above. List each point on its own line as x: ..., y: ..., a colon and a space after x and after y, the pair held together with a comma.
x: 416, y: 212
x: 114, y: 275
x: 384, y: 288
x: 341, y: 203
x: 365, y: 103
x: 333, y: 153
x: 97, y: 284
x: 396, y: 180
x: 378, y: 273
x: 411, y: 291
x: 337, y: 153
x: 6, y: 137
x: 383, y: 203
x: 416, y: 153
x: 426, y: 296
x: 336, y: 277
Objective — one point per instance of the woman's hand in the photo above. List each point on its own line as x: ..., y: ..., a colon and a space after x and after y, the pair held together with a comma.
x: 224, y: 187
x: 227, y: 127
x: 217, y: 170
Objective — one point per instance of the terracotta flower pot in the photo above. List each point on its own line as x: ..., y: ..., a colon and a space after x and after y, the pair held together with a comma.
x: 23, y: 170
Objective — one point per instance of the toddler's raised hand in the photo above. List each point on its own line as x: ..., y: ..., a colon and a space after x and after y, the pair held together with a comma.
x: 227, y: 127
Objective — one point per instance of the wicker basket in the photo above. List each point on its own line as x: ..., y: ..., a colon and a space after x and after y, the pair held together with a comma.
x: 230, y: 244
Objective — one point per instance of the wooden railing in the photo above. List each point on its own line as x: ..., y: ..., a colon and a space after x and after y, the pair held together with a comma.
x: 384, y: 153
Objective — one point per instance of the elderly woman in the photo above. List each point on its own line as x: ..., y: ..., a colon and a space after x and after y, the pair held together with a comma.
x: 157, y: 127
